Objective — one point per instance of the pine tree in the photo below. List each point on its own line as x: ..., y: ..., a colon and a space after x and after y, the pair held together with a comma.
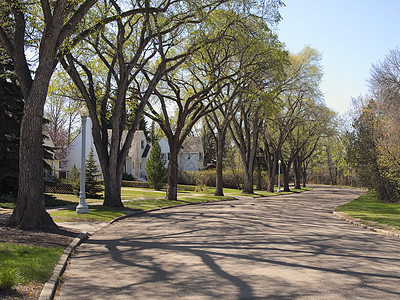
x: 11, y: 111
x: 74, y: 179
x: 92, y: 171
x: 155, y: 168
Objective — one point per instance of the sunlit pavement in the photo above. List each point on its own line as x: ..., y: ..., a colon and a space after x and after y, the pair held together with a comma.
x: 288, y: 246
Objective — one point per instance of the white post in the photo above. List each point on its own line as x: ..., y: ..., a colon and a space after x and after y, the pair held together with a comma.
x: 82, y: 208
x: 279, y: 175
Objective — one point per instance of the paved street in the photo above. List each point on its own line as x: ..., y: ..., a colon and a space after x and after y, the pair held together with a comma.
x: 281, y: 247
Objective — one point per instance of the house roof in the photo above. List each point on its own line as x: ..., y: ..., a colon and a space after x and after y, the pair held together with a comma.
x: 135, y: 140
x: 192, y: 144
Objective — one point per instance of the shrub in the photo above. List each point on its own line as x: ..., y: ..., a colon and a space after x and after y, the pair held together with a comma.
x: 155, y: 168
x: 92, y: 186
x: 136, y: 184
x: 74, y: 179
x: 7, y: 198
x: 129, y: 177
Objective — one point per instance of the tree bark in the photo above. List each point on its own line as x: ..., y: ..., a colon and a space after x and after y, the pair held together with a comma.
x: 172, y: 190
x: 248, y: 187
x: 304, y: 176
x: 219, y: 190
x: 271, y: 163
x: 297, y: 172
x: 112, y: 188
x: 30, y: 212
x: 286, y: 175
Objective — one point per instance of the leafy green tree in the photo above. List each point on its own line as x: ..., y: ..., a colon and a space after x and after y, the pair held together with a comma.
x: 92, y: 171
x: 156, y: 171
x: 365, y: 156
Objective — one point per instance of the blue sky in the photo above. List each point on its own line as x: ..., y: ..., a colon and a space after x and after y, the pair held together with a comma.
x: 351, y: 36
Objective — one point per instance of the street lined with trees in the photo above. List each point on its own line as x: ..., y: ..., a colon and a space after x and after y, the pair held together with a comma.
x: 178, y: 63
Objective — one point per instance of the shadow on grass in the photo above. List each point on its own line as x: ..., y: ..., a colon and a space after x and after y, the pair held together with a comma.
x: 52, y: 201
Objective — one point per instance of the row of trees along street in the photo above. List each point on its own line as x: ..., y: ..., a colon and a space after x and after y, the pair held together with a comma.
x: 177, y: 63
x: 373, y: 140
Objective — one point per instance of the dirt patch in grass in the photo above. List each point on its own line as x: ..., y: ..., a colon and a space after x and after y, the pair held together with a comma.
x: 54, y: 238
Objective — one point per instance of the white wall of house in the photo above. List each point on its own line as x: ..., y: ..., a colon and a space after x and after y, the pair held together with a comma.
x: 73, y: 156
x: 135, y: 164
x: 190, y: 159
x: 191, y: 156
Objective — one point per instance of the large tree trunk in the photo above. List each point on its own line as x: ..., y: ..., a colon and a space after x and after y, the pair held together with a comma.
x: 219, y: 166
x: 304, y: 175
x: 112, y: 189
x: 248, y: 187
x: 286, y: 176
x: 172, y: 190
x: 297, y: 172
x: 219, y: 190
x: 30, y: 212
x: 271, y: 162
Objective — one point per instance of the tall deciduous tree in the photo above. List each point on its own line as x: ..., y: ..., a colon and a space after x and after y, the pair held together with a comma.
x: 49, y: 25
x: 193, y: 89
x: 119, y: 69
x: 298, y: 90
x: 257, y: 99
x: 248, y: 46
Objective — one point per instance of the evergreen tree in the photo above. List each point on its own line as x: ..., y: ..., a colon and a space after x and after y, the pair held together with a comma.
x: 74, y: 179
x: 92, y: 171
x: 11, y: 111
x: 155, y: 168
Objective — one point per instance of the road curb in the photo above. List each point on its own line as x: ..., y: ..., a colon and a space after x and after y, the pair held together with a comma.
x: 50, y: 286
x: 357, y: 222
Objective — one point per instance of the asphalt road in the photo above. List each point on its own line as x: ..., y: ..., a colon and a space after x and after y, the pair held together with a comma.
x: 281, y: 247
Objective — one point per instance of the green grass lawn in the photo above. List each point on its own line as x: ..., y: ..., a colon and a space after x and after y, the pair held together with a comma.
x: 21, y: 264
x: 368, y: 208
x: 97, y: 213
x: 158, y: 203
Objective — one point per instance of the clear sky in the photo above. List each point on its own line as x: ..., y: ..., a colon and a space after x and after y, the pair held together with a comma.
x: 351, y: 36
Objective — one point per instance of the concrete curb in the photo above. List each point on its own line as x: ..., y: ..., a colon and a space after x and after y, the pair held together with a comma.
x: 357, y: 222
x: 50, y: 286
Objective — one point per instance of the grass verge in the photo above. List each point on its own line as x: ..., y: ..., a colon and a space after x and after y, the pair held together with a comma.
x: 97, y: 213
x: 371, y: 211
x: 20, y: 264
x: 159, y: 203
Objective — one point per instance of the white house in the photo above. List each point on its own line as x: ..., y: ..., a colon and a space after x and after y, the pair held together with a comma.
x: 191, y: 155
x: 135, y: 163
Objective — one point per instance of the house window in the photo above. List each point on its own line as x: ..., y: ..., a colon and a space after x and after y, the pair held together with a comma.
x: 140, y: 166
x: 168, y: 156
x: 142, y: 144
x: 200, y: 156
x: 188, y: 156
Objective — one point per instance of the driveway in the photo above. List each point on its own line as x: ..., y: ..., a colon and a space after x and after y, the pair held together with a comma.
x: 281, y: 247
